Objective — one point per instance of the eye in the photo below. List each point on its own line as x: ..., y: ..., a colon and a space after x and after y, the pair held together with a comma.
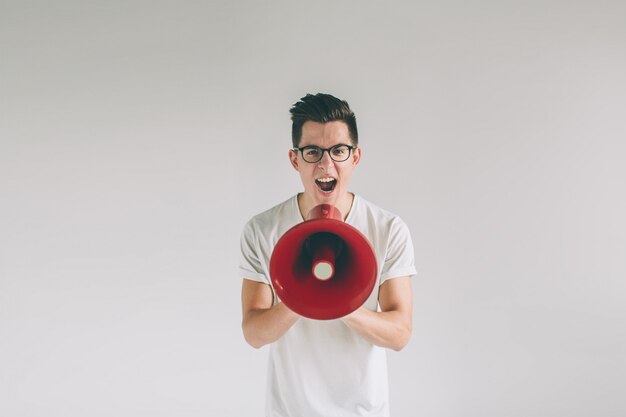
x: 340, y: 150
x: 312, y: 152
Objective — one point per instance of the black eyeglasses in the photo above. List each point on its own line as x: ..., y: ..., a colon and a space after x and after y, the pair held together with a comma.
x: 337, y: 153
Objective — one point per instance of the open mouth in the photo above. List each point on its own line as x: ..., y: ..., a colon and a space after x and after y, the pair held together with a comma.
x: 327, y: 185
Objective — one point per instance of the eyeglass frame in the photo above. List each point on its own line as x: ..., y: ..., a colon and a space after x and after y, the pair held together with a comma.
x: 350, y: 149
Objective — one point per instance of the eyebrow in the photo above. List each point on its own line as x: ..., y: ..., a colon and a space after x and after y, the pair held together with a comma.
x: 306, y: 146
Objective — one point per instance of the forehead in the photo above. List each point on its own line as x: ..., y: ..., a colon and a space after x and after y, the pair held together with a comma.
x: 325, y: 134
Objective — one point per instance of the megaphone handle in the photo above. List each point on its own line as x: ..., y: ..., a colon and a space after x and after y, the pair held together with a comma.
x: 324, y: 211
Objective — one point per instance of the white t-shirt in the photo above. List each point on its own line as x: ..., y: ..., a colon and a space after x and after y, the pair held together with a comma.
x: 321, y: 368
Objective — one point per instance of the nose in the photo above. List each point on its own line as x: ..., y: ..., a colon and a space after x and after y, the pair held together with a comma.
x: 326, y: 161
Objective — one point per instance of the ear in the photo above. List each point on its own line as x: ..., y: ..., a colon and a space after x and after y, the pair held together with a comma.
x: 293, y: 158
x: 356, y: 156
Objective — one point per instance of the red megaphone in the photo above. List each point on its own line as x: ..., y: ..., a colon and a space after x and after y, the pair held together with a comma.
x: 323, y: 268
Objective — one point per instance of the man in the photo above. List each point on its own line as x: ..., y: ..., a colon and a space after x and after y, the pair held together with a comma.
x: 335, y: 367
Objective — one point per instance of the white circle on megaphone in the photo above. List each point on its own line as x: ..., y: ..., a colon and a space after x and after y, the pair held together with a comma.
x: 323, y: 271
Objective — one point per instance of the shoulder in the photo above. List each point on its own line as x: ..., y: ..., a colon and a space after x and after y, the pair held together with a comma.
x: 266, y: 220
x: 383, y: 227
x: 377, y: 215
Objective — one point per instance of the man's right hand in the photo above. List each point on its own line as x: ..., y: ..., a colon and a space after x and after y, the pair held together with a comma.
x: 263, y: 321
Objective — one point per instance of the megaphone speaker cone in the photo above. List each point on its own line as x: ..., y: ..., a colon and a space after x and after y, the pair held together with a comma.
x: 323, y: 268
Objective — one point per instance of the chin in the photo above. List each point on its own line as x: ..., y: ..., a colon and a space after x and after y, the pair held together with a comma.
x: 331, y: 198
x: 320, y: 197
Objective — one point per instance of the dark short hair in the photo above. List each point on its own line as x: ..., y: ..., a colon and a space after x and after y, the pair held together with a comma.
x: 321, y: 108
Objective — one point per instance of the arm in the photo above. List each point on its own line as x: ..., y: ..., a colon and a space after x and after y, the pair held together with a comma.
x: 262, y: 322
x: 392, y: 326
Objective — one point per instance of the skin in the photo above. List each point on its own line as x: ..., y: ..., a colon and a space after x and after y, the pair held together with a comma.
x: 265, y: 322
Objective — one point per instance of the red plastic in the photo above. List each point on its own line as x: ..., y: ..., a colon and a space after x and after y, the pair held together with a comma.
x: 355, y: 266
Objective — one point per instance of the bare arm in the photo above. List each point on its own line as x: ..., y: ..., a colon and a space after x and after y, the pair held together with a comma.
x: 262, y: 322
x: 392, y: 326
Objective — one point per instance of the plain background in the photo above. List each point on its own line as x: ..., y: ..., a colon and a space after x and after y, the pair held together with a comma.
x: 137, y: 137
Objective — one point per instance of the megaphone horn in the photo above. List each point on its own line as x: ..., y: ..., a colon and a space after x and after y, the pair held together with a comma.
x: 323, y: 268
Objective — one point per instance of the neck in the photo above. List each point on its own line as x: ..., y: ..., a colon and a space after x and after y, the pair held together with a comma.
x: 343, y: 204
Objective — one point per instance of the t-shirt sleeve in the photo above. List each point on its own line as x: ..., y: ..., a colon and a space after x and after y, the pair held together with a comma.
x: 399, y: 257
x: 250, y: 266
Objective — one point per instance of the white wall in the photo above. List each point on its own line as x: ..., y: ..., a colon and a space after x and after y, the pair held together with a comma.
x: 137, y: 137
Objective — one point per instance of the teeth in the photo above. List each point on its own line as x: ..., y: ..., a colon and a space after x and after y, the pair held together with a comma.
x: 325, y: 179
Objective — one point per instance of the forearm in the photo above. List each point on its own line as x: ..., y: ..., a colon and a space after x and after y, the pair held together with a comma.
x: 389, y: 329
x: 264, y: 326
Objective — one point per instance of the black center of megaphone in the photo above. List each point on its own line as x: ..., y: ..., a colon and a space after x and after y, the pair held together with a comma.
x: 322, y: 241
x: 323, y: 248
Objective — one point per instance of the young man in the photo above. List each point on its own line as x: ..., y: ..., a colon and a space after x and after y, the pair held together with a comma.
x: 335, y: 367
